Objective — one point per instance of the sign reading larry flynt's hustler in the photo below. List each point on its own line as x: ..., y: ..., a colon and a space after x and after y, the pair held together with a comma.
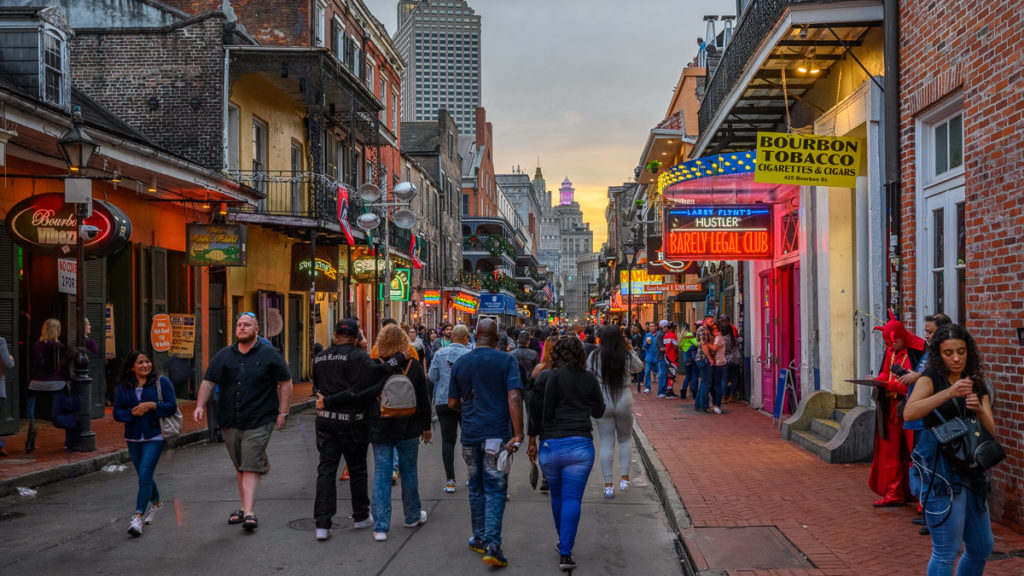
x: 810, y: 160
x: 718, y: 232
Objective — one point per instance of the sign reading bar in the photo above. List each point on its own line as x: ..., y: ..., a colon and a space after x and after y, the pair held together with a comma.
x: 215, y: 244
x: 67, y: 276
x: 640, y: 279
x: 719, y: 232
x: 812, y: 160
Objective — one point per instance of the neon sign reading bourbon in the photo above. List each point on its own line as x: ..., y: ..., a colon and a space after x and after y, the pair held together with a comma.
x: 719, y: 232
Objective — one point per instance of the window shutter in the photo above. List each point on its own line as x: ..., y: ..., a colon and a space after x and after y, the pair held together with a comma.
x: 159, y: 280
x: 95, y: 308
x: 8, y: 329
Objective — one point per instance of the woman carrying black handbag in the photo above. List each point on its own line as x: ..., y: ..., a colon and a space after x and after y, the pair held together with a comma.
x: 955, y: 507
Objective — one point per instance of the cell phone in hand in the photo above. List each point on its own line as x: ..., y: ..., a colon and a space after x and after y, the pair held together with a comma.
x: 898, y: 370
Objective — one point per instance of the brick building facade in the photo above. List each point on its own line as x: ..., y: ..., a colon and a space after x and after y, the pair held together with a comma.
x: 961, y: 117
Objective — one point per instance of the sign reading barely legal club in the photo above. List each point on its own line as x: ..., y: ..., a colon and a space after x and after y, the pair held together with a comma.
x: 811, y: 160
x: 718, y: 232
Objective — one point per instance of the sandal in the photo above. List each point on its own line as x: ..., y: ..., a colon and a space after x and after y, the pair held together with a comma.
x: 236, y: 517
x: 250, y: 523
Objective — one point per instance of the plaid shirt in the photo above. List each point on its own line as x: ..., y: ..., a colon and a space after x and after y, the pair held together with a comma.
x: 703, y: 337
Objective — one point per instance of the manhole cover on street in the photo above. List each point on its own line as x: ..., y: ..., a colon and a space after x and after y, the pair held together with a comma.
x: 304, y: 524
x: 11, y: 515
x: 748, y: 548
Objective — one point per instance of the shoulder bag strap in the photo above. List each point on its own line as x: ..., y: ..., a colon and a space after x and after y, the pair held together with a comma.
x: 407, y: 366
x: 160, y: 390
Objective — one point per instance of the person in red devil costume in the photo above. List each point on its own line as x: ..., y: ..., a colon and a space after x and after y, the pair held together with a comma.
x: 891, y: 461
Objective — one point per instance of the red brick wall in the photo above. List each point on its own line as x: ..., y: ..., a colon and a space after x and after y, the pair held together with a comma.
x: 285, y: 24
x: 122, y: 71
x: 977, y: 47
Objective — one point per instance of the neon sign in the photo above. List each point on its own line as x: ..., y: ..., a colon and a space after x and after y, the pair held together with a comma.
x: 431, y: 297
x: 47, y: 225
x: 399, y: 290
x: 464, y: 302
x: 719, y: 232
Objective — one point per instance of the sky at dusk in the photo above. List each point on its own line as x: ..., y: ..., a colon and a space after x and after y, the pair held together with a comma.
x: 579, y: 83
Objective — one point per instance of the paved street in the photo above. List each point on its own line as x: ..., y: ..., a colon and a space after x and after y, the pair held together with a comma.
x: 83, y: 522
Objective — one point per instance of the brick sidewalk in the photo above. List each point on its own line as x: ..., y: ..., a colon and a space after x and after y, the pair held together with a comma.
x: 50, y: 453
x: 735, y: 470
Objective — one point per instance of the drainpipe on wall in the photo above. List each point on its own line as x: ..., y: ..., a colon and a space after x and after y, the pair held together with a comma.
x: 893, y: 175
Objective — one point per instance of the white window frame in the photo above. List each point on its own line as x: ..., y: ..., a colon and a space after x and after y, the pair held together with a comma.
x: 370, y: 76
x: 339, y: 49
x: 61, y: 98
x: 321, y: 24
x: 943, y: 191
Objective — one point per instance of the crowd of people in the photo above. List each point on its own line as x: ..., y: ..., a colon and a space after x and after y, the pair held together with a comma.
x: 491, y: 390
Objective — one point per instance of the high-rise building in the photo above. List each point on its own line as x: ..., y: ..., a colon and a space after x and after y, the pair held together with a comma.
x: 440, y: 42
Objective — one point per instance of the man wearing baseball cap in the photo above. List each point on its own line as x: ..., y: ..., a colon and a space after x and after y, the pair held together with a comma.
x: 339, y: 373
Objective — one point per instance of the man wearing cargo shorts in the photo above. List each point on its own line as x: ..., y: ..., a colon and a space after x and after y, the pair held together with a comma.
x: 255, y: 396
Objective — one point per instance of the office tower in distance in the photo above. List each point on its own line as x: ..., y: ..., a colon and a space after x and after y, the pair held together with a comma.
x: 440, y: 41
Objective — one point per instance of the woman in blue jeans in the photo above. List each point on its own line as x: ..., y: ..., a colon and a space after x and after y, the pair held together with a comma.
x: 138, y: 404
x: 397, y: 437
x: 954, y: 503
x: 564, y: 400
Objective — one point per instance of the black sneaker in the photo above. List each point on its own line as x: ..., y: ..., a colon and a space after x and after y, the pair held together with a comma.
x: 476, y: 545
x: 566, y: 562
x: 494, y: 557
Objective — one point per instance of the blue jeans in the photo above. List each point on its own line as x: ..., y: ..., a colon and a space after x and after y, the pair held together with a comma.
x: 566, y: 463
x: 968, y: 523
x: 704, y: 368
x: 383, y: 461
x: 145, y: 455
x: 662, y: 376
x: 649, y: 366
x: 487, y: 489
x: 689, y: 380
x: 718, y: 382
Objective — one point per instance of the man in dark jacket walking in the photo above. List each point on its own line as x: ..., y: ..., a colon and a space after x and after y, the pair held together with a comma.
x: 339, y: 373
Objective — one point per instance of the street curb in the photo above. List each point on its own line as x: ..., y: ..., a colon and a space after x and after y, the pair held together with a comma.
x: 673, y: 505
x: 70, y: 470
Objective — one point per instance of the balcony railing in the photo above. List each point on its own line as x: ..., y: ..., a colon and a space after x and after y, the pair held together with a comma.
x: 758, y: 20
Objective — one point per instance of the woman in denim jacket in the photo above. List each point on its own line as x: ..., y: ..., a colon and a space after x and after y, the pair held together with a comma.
x: 137, y: 404
x: 955, y: 506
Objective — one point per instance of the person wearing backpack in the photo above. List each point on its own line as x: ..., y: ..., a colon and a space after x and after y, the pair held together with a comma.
x: 397, y: 427
x: 688, y: 346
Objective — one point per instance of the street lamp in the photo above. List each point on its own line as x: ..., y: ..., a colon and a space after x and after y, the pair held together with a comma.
x: 78, y: 149
x: 404, y: 192
x: 630, y: 252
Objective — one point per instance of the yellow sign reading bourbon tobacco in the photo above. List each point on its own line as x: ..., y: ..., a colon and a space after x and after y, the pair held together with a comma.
x: 810, y: 160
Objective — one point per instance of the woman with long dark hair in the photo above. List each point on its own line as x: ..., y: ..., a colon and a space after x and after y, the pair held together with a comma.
x: 564, y: 400
x: 139, y: 405
x: 613, y: 363
x: 954, y: 504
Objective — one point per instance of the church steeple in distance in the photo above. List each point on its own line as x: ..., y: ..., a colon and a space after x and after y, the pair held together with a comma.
x: 565, y: 192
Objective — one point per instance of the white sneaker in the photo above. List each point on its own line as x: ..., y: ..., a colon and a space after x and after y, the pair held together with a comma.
x: 135, y: 528
x: 364, y: 523
x: 717, y: 410
x: 609, y: 492
x: 322, y: 534
x: 624, y: 485
x: 421, y: 521
x: 449, y: 487
x: 647, y: 390
x: 152, y: 513
x: 380, y: 536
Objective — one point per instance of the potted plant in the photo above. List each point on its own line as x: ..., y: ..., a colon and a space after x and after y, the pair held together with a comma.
x: 653, y: 166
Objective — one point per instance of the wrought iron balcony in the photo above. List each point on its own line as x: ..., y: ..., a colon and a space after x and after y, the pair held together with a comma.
x: 757, y: 21
x: 296, y: 194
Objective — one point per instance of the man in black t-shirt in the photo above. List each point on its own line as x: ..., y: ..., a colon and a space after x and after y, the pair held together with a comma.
x: 255, y: 396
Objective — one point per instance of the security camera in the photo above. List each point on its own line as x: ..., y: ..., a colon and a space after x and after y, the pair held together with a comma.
x: 88, y: 231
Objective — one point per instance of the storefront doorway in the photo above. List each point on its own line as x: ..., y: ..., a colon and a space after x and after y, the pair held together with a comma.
x: 295, y: 336
x: 780, y: 331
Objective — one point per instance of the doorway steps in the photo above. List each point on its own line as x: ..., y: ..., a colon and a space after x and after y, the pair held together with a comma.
x: 832, y: 427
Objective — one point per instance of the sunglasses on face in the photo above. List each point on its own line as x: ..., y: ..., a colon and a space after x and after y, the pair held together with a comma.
x: 249, y: 314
